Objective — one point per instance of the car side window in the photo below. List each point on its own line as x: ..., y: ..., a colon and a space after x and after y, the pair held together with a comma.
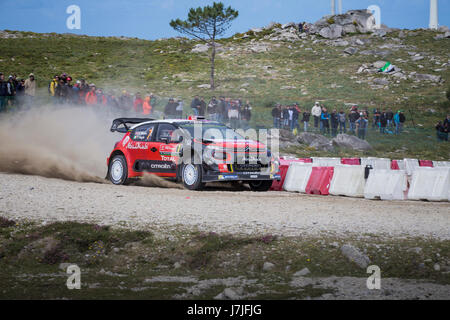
x: 165, y: 130
x: 143, y: 133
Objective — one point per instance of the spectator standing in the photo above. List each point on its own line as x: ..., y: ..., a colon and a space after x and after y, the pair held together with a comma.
x: 399, y: 120
x: 334, y: 118
x: 30, y: 89
x: 91, y: 96
x: 276, y: 115
x: 233, y: 115
x: 3, y: 93
x: 20, y: 93
x: 376, y: 119
x: 170, y: 109
x: 342, y: 117
x: 246, y: 115
x: 383, y: 122
x: 362, y: 124
x: 138, y: 103
x: 202, y: 107
x: 389, y: 118
x: 441, y: 132
x: 305, y: 120
x: 446, y: 125
x: 325, y: 121
x: 52, y: 88
x: 179, y: 109
x: 212, y: 109
x: 146, y: 106
x: 352, y: 118
x: 316, y: 112
x: 195, y: 105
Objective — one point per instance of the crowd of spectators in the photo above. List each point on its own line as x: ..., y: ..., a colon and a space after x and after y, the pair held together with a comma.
x: 334, y: 122
x: 62, y: 89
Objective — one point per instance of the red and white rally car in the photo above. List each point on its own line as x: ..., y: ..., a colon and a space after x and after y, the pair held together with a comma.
x: 191, y: 151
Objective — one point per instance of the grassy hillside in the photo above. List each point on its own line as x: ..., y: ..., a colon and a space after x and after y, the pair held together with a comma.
x: 309, y: 70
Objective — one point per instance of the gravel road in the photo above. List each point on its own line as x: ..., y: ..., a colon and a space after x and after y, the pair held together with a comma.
x: 281, y: 213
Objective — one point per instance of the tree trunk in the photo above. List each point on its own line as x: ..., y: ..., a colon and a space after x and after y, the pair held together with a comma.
x: 213, y: 57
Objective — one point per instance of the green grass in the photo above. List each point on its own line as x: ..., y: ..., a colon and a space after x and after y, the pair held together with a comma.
x: 132, y: 256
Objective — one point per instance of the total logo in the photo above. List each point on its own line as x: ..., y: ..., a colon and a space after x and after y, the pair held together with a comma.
x: 164, y: 158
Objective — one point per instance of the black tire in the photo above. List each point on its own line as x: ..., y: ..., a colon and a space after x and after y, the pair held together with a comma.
x: 260, y: 185
x: 118, y: 170
x: 191, y: 175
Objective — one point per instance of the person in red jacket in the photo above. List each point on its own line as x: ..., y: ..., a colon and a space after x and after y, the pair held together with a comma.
x: 91, y: 96
x: 146, y: 106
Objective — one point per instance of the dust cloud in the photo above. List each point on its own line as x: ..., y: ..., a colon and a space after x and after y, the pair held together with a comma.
x: 70, y: 143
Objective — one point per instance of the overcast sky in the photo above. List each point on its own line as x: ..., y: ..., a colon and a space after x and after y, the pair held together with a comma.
x: 149, y: 19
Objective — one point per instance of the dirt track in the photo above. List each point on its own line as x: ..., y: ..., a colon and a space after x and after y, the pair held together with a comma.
x: 281, y: 213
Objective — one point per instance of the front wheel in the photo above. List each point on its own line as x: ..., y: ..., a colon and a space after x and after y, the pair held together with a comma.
x: 191, y: 175
x: 260, y: 185
x: 118, y: 170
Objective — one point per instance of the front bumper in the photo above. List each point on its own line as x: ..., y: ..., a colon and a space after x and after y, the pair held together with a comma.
x: 213, y: 177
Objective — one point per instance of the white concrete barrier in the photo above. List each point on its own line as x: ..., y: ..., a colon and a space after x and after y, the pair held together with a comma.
x: 325, y: 162
x: 297, y: 177
x: 441, y: 163
x: 431, y: 184
x: 377, y: 163
x: 411, y: 165
x: 386, y: 185
x: 348, y: 180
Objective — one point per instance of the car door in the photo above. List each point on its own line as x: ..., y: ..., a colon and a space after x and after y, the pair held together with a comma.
x: 141, y: 146
x: 165, y: 157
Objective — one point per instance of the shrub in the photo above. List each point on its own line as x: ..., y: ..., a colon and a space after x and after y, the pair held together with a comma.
x: 331, y: 21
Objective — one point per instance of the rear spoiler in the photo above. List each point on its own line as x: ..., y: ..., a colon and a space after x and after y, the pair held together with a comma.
x: 117, y: 123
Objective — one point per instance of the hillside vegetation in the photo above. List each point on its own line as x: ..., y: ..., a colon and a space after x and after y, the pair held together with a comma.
x: 252, y: 66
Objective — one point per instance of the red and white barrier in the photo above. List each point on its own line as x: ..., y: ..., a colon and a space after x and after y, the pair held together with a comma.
x: 297, y: 177
x: 348, y: 180
x: 284, y: 166
x: 319, y: 180
x: 325, y: 162
x: 376, y: 163
x: 431, y: 184
x: 386, y: 185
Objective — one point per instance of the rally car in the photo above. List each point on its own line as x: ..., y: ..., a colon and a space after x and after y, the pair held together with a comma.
x: 193, y: 151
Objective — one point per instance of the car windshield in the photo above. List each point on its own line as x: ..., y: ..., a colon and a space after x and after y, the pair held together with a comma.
x: 212, y: 130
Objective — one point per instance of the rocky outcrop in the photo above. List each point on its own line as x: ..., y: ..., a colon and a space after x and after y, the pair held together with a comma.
x: 351, y: 142
x: 332, y: 27
x: 316, y: 141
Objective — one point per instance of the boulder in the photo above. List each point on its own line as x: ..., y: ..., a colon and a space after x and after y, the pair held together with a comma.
x: 316, y: 141
x: 200, y: 48
x: 427, y: 77
x: 289, y: 25
x: 271, y: 25
x: 381, y: 81
x: 356, y: 256
x: 443, y: 29
x: 334, y: 31
x: 351, y: 142
x: 379, y: 32
x: 350, y: 50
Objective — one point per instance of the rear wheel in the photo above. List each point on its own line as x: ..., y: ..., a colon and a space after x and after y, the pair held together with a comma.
x: 118, y: 170
x: 191, y: 175
x: 260, y: 185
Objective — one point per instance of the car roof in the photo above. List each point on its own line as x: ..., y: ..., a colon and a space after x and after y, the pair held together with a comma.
x: 174, y: 121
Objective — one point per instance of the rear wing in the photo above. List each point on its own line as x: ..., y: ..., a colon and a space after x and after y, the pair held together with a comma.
x: 124, y: 124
